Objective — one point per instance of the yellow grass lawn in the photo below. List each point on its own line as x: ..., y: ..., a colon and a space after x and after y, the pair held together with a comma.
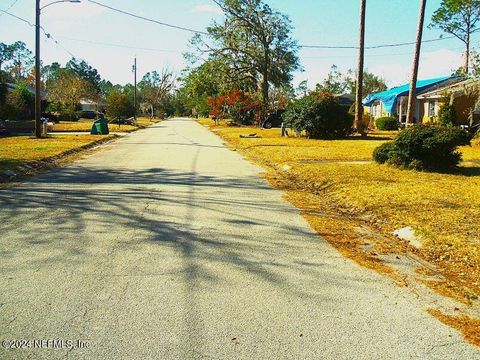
x: 86, y: 125
x: 82, y: 125
x: 18, y: 150
x: 443, y: 208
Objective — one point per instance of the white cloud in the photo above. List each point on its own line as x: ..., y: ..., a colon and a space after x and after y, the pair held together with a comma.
x: 207, y: 8
x: 394, y: 74
x: 63, y: 17
x: 442, y: 62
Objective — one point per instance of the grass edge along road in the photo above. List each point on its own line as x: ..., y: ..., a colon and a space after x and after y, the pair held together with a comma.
x: 25, y: 155
x: 82, y: 125
x: 356, y: 204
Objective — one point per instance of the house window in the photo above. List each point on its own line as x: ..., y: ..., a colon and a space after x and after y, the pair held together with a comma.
x: 431, y: 108
x: 377, y: 109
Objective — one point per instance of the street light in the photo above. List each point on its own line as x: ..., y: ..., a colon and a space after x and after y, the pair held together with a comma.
x: 38, y: 98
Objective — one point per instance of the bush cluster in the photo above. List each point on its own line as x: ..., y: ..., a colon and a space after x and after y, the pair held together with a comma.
x: 424, y: 147
x: 238, y: 105
x: 118, y: 105
x: 63, y: 112
x: 387, y: 123
x: 17, y: 104
x: 320, y: 116
x: 447, y: 115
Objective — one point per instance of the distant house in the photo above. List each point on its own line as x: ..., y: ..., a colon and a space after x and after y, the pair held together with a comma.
x: 31, y: 90
x: 345, y: 100
x: 394, y: 101
x: 89, y: 105
x: 28, y: 110
x: 463, y: 96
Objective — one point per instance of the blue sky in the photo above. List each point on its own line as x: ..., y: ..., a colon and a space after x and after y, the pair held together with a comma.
x: 317, y: 22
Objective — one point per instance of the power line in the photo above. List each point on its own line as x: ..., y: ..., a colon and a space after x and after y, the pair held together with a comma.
x: 120, y: 45
x: 370, y: 55
x: 17, y: 17
x: 374, y: 46
x: 301, y: 46
x: 203, y: 33
x: 147, y: 19
x: 181, y: 52
x: 11, y: 5
x: 47, y: 34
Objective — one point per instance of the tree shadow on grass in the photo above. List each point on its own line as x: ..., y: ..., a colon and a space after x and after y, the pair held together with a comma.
x: 370, y: 138
x: 469, y: 171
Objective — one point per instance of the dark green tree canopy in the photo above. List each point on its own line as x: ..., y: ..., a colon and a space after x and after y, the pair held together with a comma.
x: 457, y: 17
x: 460, y: 19
x: 16, y: 61
x: 254, y: 42
x: 334, y: 83
x: 206, y: 80
x: 106, y: 87
x: 338, y: 83
x: 85, y: 72
x: 5, y: 53
x: 371, y: 83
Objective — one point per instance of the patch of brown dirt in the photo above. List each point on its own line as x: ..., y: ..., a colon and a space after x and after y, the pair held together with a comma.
x: 469, y: 327
x: 339, y: 229
x: 451, y: 290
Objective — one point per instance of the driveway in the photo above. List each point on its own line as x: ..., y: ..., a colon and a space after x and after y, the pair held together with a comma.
x: 167, y: 245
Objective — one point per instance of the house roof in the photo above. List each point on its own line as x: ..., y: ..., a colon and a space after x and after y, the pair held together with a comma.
x: 345, y: 99
x: 458, y: 88
x: 30, y: 89
x: 390, y: 96
x: 91, y: 102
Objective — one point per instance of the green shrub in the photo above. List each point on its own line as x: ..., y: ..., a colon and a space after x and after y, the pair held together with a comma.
x: 69, y: 115
x: 387, y: 123
x: 447, y: 115
x: 424, y: 147
x: 321, y: 117
x: 17, y: 104
x: 118, y: 105
x: 384, y: 152
x: 63, y: 112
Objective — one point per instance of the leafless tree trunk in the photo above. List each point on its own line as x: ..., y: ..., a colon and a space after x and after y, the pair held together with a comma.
x: 359, y: 95
x: 413, y: 84
x: 467, y: 52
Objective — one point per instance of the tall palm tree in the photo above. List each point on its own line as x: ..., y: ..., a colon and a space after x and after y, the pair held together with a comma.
x: 413, y: 83
x: 361, y: 52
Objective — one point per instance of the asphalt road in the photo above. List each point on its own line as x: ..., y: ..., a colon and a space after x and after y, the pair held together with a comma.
x: 167, y: 245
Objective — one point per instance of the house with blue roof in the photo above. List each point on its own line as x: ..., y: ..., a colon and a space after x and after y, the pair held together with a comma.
x: 394, y: 101
x: 463, y: 96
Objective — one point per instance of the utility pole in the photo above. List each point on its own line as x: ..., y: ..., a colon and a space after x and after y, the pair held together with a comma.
x: 413, y: 83
x: 135, y: 90
x: 38, y: 98
x: 38, y: 95
x: 361, y: 56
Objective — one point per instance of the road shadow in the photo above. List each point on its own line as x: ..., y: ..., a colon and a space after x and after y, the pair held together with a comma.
x: 214, y: 224
x: 70, y: 199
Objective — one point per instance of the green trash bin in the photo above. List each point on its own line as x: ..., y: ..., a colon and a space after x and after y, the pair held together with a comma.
x: 100, y: 127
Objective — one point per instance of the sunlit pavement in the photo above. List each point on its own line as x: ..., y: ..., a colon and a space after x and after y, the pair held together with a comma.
x: 167, y: 245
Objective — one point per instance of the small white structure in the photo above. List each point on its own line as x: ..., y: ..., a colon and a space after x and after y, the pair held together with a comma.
x: 89, y: 105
